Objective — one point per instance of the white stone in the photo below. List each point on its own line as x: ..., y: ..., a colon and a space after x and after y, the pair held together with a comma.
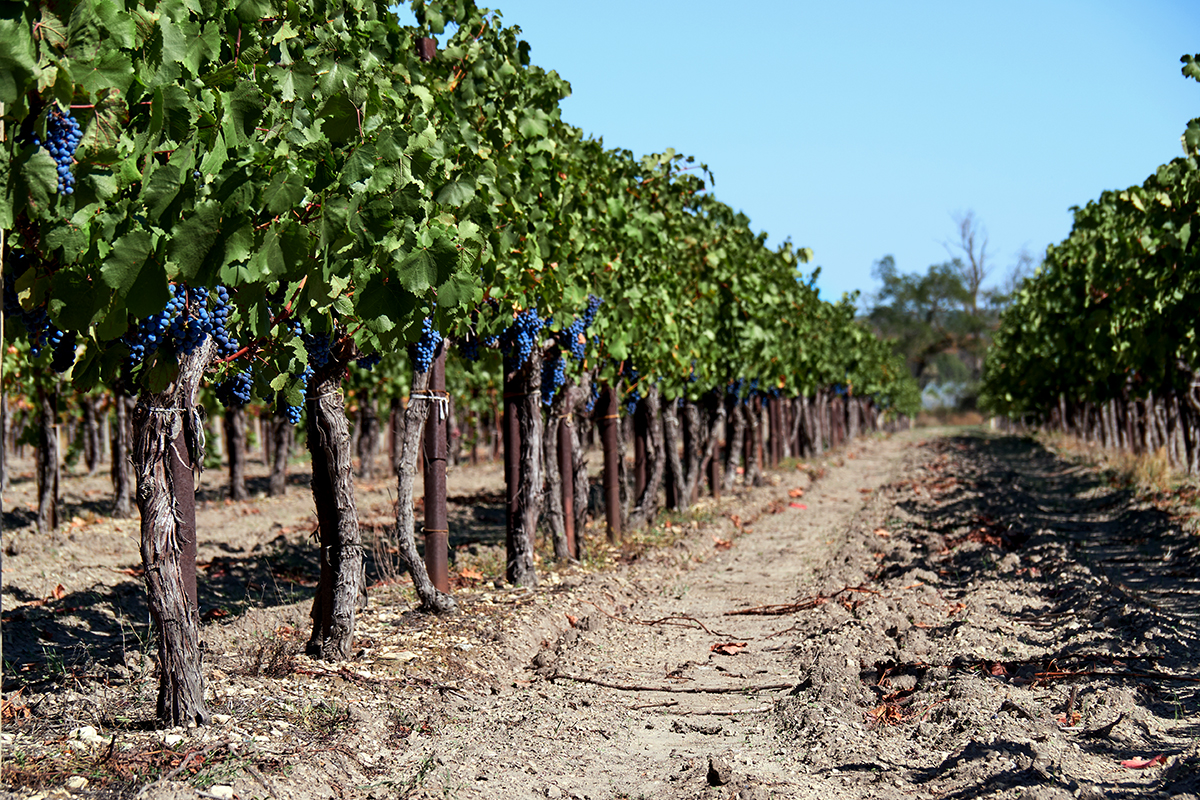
x: 76, y: 782
x: 172, y: 739
x: 221, y: 790
x: 221, y: 719
x: 85, y: 733
x: 78, y: 745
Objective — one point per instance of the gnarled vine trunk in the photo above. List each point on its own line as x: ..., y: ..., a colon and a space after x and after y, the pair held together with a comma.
x: 646, y: 505
x: 410, y: 434
x: 47, y: 461
x: 168, y: 444
x: 235, y: 448
x: 342, y: 579
x: 123, y: 503
x: 281, y: 440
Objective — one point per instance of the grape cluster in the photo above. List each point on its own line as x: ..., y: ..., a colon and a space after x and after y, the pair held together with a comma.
x: 635, y: 395
x: 62, y: 138
x: 521, y: 337
x: 317, y: 347
x: 41, y: 332
x: 554, y: 375
x: 426, y: 347
x: 369, y: 361
x: 234, y: 391
x: 293, y: 412
x: 227, y: 345
x: 64, y: 351
x: 574, y: 336
x: 184, y: 322
x: 152, y: 332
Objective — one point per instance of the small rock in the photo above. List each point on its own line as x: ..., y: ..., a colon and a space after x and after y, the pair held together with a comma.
x: 221, y: 719
x: 86, y: 732
x: 76, y: 782
x: 222, y: 791
x: 720, y: 771
x: 78, y: 745
x: 172, y: 739
x: 553, y: 792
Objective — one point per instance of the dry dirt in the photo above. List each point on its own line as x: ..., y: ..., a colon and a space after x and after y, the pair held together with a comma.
x: 927, y: 615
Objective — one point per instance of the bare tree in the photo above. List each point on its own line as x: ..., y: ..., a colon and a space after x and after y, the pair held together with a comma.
x: 971, y: 253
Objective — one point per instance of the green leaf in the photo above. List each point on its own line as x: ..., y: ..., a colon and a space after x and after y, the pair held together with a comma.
x: 150, y: 291
x: 285, y: 192
x: 456, y: 193
x: 125, y: 260
x: 76, y: 299
x: 384, y: 304
x: 112, y: 70
x: 162, y: 373
x: 36, y: 179
x: 18, y: 60
x: 425, y: 268
x: 243, y: 109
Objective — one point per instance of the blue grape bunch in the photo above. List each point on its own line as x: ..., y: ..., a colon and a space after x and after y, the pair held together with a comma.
x: 369, y: 361
x: 317, y: 347
x: 227, y: 344
x: 591, y: 403
x: 635, y: 394
x: 62, y: 139
x: 41, y: 331
x: 427, y: 345
x: 293, y: 412
x: 554, y: 375
x: 521, y: 337
x: 235, y: 390
x: 152, y: 332
x: 574, y: 336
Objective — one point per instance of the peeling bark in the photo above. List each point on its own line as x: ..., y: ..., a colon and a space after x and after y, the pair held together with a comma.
x: 47, y: 461
x: 554, y: 511
x: 529, y: 414
x: 405, y: 531
x: 281, y: 431
x: 368, y: 437
x: 676, y: 477
x: 235, y: 449
x: 342, y: 577
x: 646, y: 506
x: 122, y: 485
x: 168, y: 444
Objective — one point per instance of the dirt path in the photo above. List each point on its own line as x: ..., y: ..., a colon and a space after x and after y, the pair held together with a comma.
x: 968, y: 616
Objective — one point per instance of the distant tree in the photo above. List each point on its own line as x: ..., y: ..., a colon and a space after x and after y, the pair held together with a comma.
x: 941, y: 321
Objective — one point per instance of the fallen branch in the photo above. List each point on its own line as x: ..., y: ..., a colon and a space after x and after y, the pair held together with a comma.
x: 779, y: 609
x: 663, y: 621
x: 1101, y: 673
x: 621, y: 687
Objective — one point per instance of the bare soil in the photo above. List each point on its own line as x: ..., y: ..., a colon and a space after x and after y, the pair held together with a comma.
x: 928, y: 615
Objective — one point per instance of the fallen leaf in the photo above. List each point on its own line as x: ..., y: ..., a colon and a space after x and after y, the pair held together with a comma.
x: 573, y: 620
x: 797, y: 492
x: 884, y: 532
x: 722, y: 544
x: 998, y: 670
x: 800, y: 506
x: 728, y: 648
x: 58, y: 593
x: 865, y: 491
x: 470, y: 574
x: 1142, y: 763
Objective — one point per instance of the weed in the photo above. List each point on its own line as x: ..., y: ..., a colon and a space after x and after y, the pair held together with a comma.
x: 273, y: 658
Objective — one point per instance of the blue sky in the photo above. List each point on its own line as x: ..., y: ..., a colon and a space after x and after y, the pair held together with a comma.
x: 860, y: 129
